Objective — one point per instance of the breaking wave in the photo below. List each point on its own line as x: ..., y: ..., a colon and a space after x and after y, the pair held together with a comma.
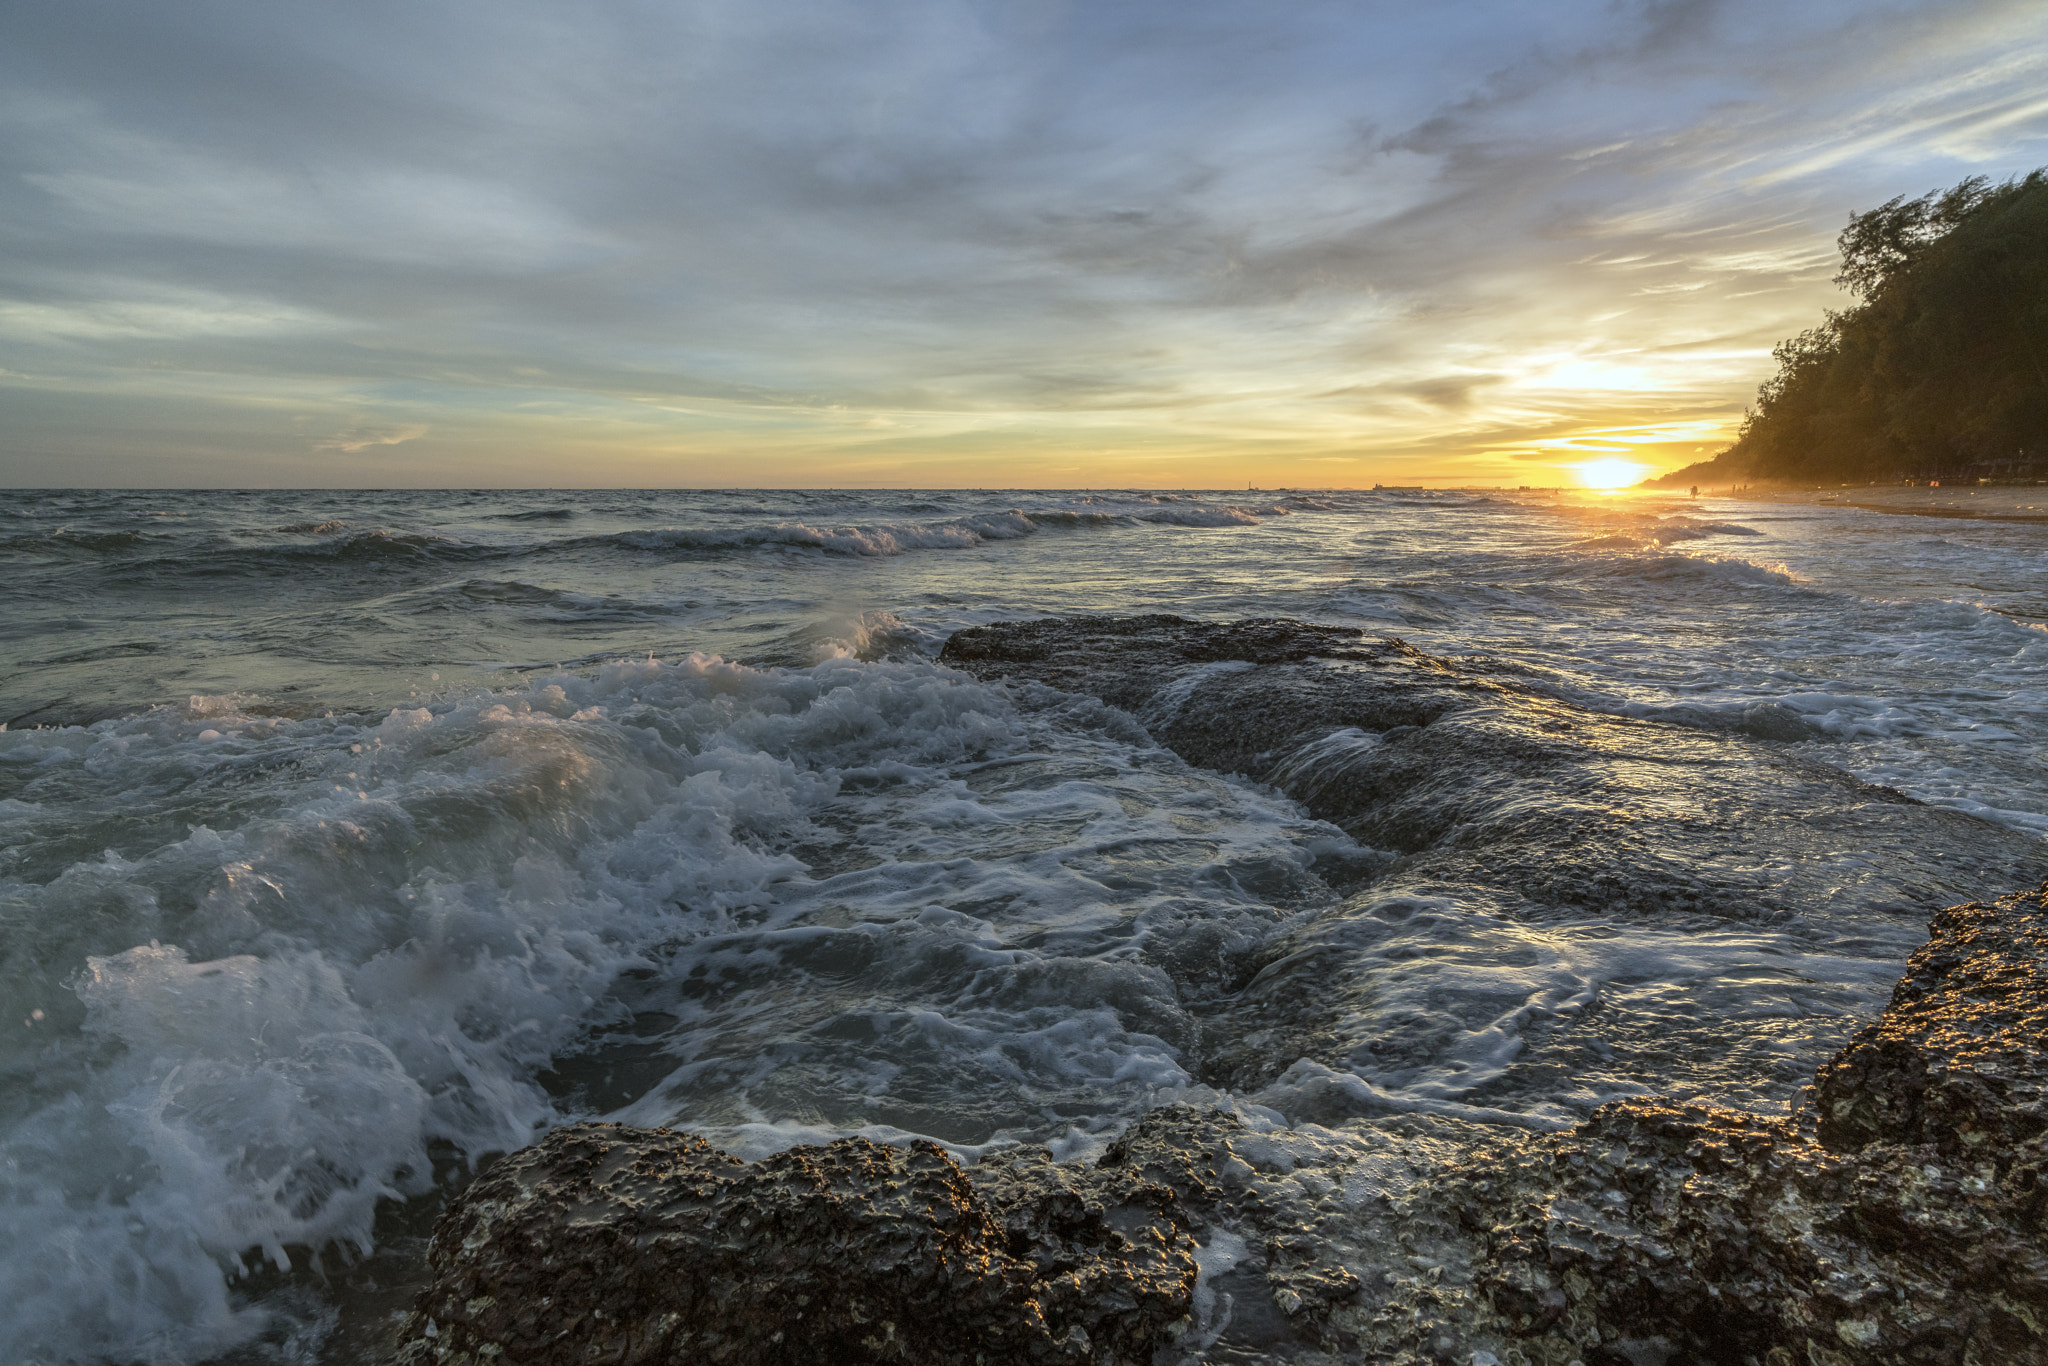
x: 376, y: 933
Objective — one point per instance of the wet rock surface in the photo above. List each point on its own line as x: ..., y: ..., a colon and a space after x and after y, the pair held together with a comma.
x: 1957, y: 1061
x: 619, y: 1245
x: 1517, y: 832
x: 1473, y: 774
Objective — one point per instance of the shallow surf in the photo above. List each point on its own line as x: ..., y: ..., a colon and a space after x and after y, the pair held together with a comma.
x: 351, y: 837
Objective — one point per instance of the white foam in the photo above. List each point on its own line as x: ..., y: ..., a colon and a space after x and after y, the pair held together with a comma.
x: 1439, y: 996
x: 1206, y: 516
x: 1726, y: 569
x: 1219, y: 1256
x: 408, y: 918
x: 888, y: 539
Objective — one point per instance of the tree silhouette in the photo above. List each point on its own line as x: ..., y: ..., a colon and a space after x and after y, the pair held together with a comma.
x: 1939, y: 368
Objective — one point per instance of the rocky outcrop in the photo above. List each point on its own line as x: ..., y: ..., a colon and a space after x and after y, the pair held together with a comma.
x: 1905, y: 1226
x: 604, y: 1244
x: 1506, y: 820
x: 1901, y: 1221
x: 1476, y: 773
x: 1957, y: 1059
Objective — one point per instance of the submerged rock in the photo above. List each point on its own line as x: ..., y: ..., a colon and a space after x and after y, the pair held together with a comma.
x: 1527, y: 844
x: 1477, y: 773
x: 624, y: 1246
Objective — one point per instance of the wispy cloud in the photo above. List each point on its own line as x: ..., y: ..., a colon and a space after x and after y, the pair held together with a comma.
x: 362, y: 438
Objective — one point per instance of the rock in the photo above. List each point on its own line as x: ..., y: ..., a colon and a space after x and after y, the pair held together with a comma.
x: 1477, y: 773
x: 1655, y: 1232
x: 1906, y: 1227
x: 1507, y: 819
x: 1960, y: 1059
x: 624, y: 1246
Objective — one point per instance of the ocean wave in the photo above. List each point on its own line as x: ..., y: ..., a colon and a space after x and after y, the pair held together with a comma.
x: 1671, y: 531
x: 1725, y: 569
x: 1070, y: 518
x: 881, y: 539
x: 529, y: 602
x: 1206, y: 515
x: 275, y: 1014
x: 381, y: 544
x: 871, y: 635
x: 65, y: 540
x: 337, y: 547
x: 1711, y: 527
x: 885, y: 539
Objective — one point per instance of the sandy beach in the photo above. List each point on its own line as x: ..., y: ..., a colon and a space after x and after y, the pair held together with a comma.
x: 1989, y: 503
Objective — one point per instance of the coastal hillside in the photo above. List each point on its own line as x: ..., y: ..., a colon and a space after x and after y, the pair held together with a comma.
x: 1940, y: 368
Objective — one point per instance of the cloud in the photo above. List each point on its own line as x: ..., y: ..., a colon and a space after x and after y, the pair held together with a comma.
x: 362, y: 438
x: 1412, y: 228
x: 1448, y: 391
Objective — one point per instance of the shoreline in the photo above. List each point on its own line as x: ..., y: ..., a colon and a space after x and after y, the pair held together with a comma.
x: 1992, y: 503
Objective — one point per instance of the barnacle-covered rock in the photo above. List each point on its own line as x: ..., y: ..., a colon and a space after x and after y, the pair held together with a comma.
x: 1905, y: 1227
x: 604, y: 1244
x: 1959, y: 1059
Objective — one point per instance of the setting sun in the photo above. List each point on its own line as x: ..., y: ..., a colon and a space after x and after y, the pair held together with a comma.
x: 1611, y: 473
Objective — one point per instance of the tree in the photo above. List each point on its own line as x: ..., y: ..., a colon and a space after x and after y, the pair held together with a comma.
x: 1940, y: 367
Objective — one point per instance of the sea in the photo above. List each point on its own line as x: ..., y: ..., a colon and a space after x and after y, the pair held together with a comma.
x: 349, y: 838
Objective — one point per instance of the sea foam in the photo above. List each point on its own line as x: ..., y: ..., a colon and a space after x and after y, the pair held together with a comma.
x: 391, y: 943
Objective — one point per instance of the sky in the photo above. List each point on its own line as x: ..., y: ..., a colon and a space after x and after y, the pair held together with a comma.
x: 951, y: 243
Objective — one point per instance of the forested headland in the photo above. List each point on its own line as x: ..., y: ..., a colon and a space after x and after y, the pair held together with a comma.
x: 1940, y: 367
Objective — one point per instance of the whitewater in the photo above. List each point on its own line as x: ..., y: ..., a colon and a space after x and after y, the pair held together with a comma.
x: 348, y: 839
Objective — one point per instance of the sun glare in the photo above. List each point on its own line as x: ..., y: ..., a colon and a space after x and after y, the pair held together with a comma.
x: 1610, y: 473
